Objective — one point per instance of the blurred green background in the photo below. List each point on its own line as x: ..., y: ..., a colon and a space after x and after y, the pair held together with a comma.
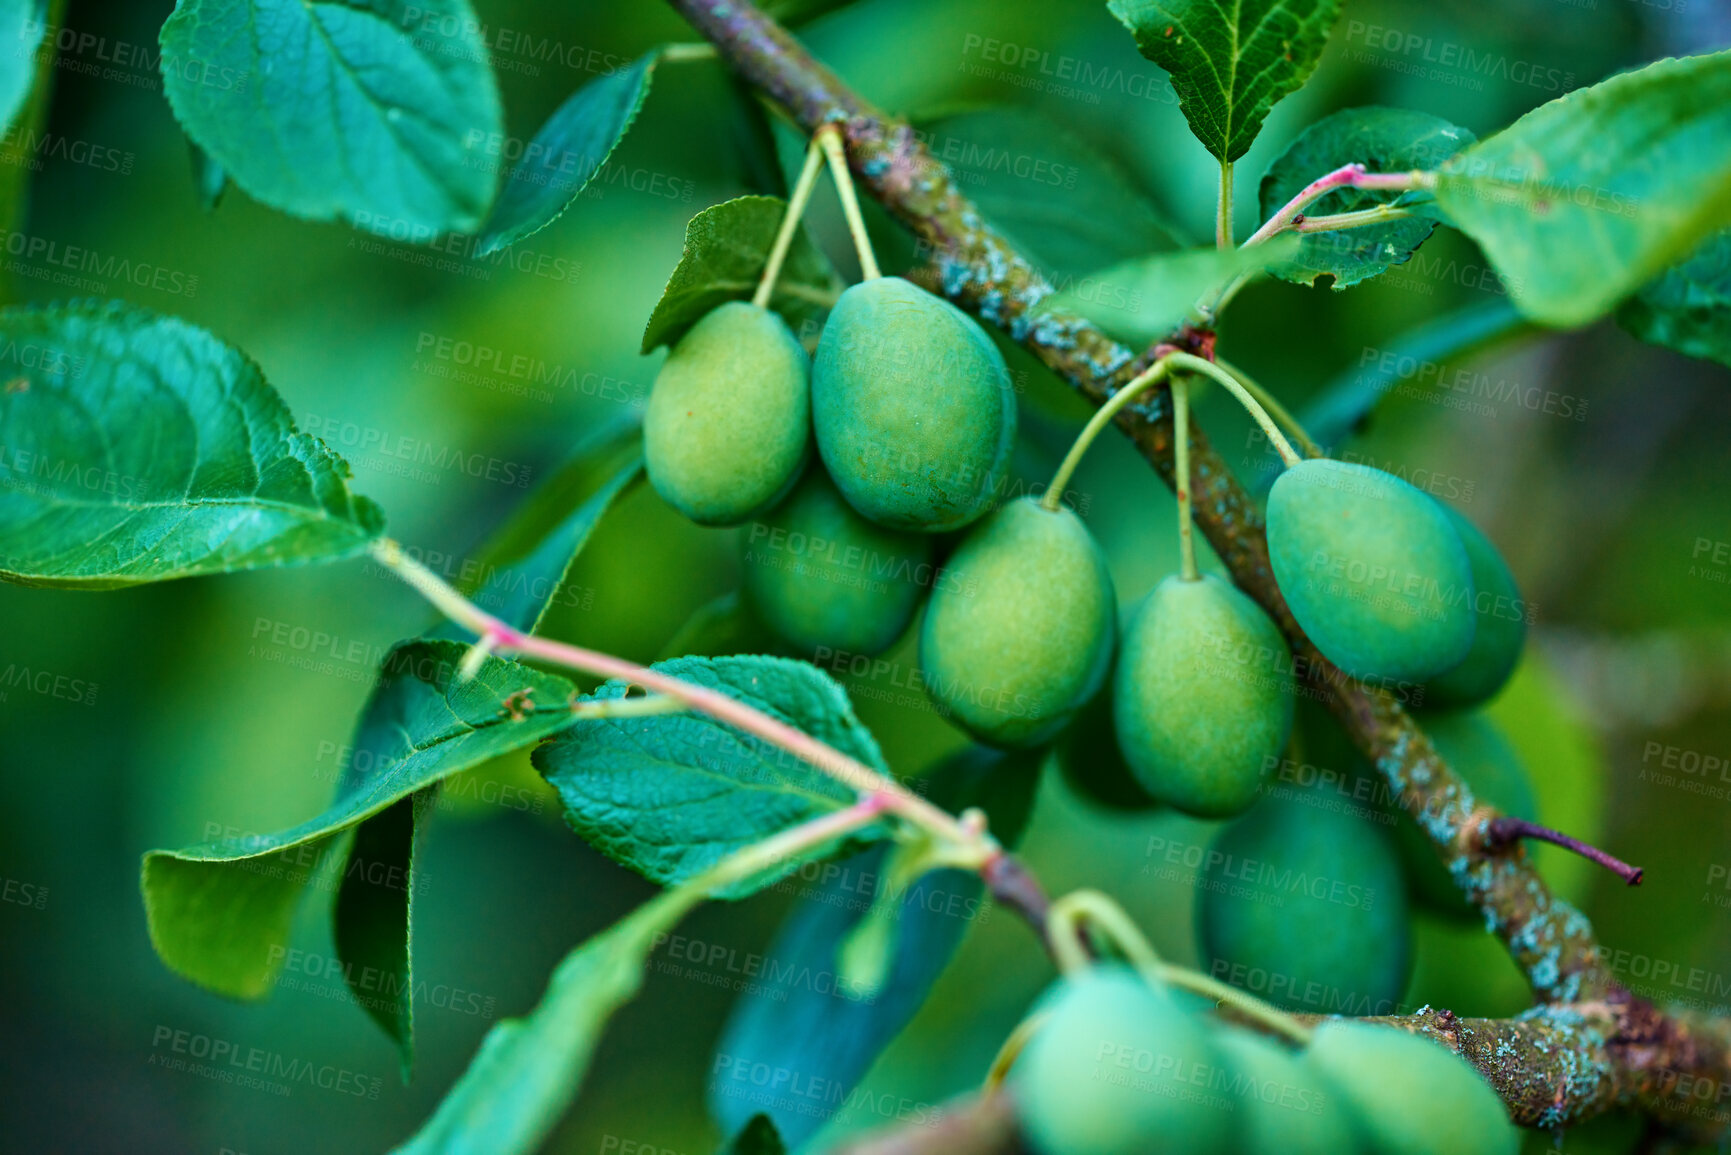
x: 206, y: 707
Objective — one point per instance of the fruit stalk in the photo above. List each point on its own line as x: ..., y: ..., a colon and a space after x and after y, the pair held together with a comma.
x: 983, y: 273
x: 796, y: 202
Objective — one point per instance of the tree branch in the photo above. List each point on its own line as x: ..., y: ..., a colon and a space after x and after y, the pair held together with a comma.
x: 1595, y: 1045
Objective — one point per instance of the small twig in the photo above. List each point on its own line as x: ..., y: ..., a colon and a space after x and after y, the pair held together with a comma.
x: 1504, y: 829
x: 1346, y: 176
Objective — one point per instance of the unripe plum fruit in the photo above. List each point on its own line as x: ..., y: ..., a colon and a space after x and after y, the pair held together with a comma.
x: 728, y: 425
x: 1476, y: 751
x: 913, y: 406
x: 1499, y: 635
x: 1373, y: 570
x: 1203, y: 696
x: 1304, y: 906
x: 1408, y: 1095
x: 1106, y: 1073
x: 819, y: 574
x: 1020, y: 628
x: 1284, y: 1107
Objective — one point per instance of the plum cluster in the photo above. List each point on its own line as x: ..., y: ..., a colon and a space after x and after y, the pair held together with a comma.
x: 1120, y: 1057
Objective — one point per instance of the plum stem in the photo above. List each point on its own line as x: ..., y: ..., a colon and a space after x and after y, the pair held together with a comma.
x: 1223, y: 213
x: 832, y: 146
x: 796, y: 202
x: 1181, y: 455
x: 1197, y: 364
x: 1281, y: 414
x: 1505, y: 828
x: 1149, y: 377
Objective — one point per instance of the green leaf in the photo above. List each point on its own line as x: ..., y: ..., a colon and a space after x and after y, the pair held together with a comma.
x: 528, y: 1070
x: 374, y: 910
x: 1688, y: 308
x: 519, y: 587
x: 831, y: 1034
x: 670, y: 795
x: 1230, y: 60
x: 139, y: 448
x: 726, y: 246
x: 220, y: 913
x: 381, y: 113
x: 1383, y: 140
x: 1145, y: 300
x: 1585, y: 199
x: 1064, y: 203
x: 22, y: 25
x: 757, y: 1137
x: 521, y: 576
x: 566, y: 154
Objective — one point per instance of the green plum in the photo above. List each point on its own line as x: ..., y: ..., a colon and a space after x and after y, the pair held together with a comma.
x: 1020, y: 628
x: 822, y: 576
x: 1304, y: 906
x: 1203, y: 696
x: 1092, y: 764
x: 1113, y: 1070
x: 1501, y: 630
x: 728, y: 426
x: 913, y: 406
x: 1477, y: 751
x: 1409, y: 1095
x: 1373, y: 569
x: 1284, y: 1107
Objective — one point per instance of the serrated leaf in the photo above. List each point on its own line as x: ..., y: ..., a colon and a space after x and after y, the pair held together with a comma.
x: 373, y: 112
x: 220, y: 913
x: 670, y: 795
x: 529, y: 1069
x: 1146, y: 300
x: 1583, y: 200
x: 829, y: 1034
x: 566, y: 154
x: 726, y: 246
x: 22, y: 25
x: 139, y: 448
x: 1688, y: 307
x: 1230, y: 60
x: 1069, y: 207
x: 757, y: 1137
x: 521, y: 575
x: 1383, y: 140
